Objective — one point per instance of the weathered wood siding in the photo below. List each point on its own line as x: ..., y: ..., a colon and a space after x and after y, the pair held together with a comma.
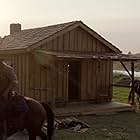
x: 51, y: 83
x: 21, y: 65
x: 96, y: 80
x: 76, y: 40
x: 96, y: 75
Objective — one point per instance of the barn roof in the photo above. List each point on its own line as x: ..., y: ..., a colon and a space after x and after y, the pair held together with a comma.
x: 31, y: 38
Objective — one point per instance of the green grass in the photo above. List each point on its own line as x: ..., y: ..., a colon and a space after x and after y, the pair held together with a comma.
x: 120, y: 94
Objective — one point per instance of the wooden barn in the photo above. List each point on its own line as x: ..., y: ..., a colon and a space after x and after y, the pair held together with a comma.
x: 60, y: 63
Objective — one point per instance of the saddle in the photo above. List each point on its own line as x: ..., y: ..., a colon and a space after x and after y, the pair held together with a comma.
x: 17, y: 105
x: 16, y: 108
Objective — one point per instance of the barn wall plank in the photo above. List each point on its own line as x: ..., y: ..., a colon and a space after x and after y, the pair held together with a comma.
x: 66, y: 41
x: 72, y: 42
x: 66, y: 81
x: 94, y: 76
x: 60, y: 80
x: 43, y: 84
x: 31, y: 76
x: 55, y: 44
x: 84, y: 80
x: 27, y: 80
x: 60, y: 43
x: 111, y: 78
x: 76, y: 39
x: 89, y: 81
x: 49, y: 85
x: 79, y: 45
x: 89, y: 43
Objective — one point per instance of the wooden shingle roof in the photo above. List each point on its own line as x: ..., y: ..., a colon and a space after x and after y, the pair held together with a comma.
x: 25, y: 38
x: 31, y: 38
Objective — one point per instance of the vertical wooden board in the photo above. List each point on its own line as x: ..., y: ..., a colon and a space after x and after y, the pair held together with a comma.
x: 49, y: 85
x: 17, y: 69
x: 43, y: 84
x: 72, y: 44
x: 89, y: 81
x: 84, y: 80
x: 55, y: 75
x: 23, y: 75
x: 89, y: 43
x: 60, y: 43
x: 66, y: 41
x: 85, y: 41
x: 99, y: 47
x: 37, y: 82
x: 111, y: 78
x: 98, y: 79
x: 16, y: 64
x: 102, y: 75
x: 60, y: 80
x: 103, y: 48
x: 108, y: 77
x: 20, y: 75
x: 27, y: 82
x: 32, y: 76
x: 94, y: 45
x: 55, y: 44
x: 76, y: 39
x: 50, y: 45
x: 44, y: 47
x: 54, y: 82
x: 94, y: 76
x: 79, y: 46
x: 66, y: 81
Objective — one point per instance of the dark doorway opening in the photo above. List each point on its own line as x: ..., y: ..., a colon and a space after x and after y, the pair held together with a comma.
x: 74, y: 81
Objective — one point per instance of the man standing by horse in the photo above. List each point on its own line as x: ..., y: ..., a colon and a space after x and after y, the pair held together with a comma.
x: 8, y: 90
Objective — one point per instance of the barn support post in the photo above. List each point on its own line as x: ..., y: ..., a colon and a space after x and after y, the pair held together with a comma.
x: 133, y: 93
x: 126, y: 69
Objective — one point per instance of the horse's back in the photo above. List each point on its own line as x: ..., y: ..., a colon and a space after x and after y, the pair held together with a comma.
x: 37, y: 113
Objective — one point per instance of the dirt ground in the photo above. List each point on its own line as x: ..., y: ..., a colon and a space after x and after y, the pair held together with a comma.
x: 120, y: 126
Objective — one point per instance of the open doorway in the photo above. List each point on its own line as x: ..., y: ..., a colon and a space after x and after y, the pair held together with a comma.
x: 74, y: 81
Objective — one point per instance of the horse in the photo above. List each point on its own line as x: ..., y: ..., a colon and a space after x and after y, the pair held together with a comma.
x: 135, y: 89
x: 33, y: 122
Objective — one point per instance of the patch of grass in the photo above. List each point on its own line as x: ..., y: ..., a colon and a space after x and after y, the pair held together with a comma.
x: 120, y: 94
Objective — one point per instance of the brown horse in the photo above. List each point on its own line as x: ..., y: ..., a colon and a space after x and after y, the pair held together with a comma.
x: 33, y: 121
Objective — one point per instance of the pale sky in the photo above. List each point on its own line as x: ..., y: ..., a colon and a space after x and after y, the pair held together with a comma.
x: 118, y: 21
